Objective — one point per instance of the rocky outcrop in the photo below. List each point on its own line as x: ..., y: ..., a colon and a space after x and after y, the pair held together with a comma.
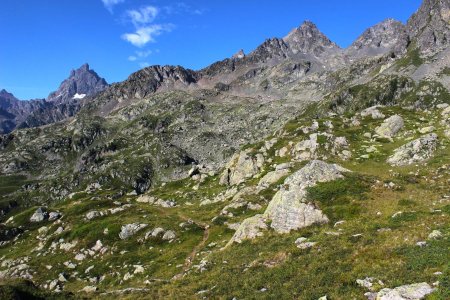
x: 289, y: 209
x: 429, y: 27
x: 241, y: 167
x: 415, y: 291
x: 249, y: 229
x: 390, y: 127
x: 415, y: 151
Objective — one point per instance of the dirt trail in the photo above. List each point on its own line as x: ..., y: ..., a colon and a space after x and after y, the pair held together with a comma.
x: 190, y: 259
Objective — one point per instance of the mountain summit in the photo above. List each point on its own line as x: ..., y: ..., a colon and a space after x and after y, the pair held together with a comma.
x: 82, y: 82
x: 309, y: 39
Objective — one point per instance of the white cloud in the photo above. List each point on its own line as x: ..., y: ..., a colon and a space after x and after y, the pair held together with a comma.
x: 132, y: 58
x: 109, y: 4
x: 144, y: 64
x: 147, y: 34
x: 143, y: 16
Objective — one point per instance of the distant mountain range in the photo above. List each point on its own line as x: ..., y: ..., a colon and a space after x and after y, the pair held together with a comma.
x: 59, y: 105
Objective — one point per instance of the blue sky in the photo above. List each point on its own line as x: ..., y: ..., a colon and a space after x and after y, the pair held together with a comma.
x: 42, y: 40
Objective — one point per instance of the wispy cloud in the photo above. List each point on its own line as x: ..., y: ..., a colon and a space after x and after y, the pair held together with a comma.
x: 142, y: 16
x: 139, y: 55
x: 146, y: 34
x: 182, y: 8
x: 145, y: 29
x: 109, y: 4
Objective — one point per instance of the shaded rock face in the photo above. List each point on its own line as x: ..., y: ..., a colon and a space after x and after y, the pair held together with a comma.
x: 289, y: 209
x: 81, y: 83
x: 416, y: 151
x: 14, y: 111
x: 430, y: 26
x: 387, y: 36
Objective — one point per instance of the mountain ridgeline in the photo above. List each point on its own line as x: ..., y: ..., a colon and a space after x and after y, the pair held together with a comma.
x: 231, y: 165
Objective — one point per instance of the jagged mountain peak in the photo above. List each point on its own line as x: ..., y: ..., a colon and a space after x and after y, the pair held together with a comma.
x: 307, y: 38
x: 82, y: 82
x: 387, y: 36
x: 82, y: 69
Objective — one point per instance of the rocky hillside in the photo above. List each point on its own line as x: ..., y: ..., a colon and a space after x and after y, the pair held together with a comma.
x: 299, y: 170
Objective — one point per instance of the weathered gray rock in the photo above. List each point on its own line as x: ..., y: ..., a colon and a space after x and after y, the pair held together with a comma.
x: 54, y: 215
x: 289, y: 209
x: 306, y: 150
x: 93, y: 214
x: 415, y: 151
x: 249, y: 229
x: 415, y: 291
x: 39, y: 215
x: 169, y: 235
x: 241, y: 167
x: 272, y: 177
x: 303, y: 243
x: 129, y: 230
x: 435, y: 235
x: 390, y: 127
x: 372, y: 112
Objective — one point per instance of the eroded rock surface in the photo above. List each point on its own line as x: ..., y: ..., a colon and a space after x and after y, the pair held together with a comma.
x: 416, y: 151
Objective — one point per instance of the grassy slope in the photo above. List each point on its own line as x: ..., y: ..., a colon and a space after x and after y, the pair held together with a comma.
x: 331, y: 268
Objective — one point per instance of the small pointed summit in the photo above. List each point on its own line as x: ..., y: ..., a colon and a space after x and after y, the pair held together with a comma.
x: 240, y: 54
x: 309, y: 39
x: 84, y: 67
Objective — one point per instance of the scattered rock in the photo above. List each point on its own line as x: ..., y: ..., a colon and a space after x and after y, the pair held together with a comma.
x: 373, y: 112
x: 390, y: 127
x: 129, y: 230
x: 406, y: 292
x: 89, y: 289
x: 435, y: 235
x: 93, y: 214
x: 427, y: 129
x: 303, y: 243
x: 169, y: 235
x: 54, y: 215
x: 415, y: 151
x: 250, y: 228
x: 39, y: 215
